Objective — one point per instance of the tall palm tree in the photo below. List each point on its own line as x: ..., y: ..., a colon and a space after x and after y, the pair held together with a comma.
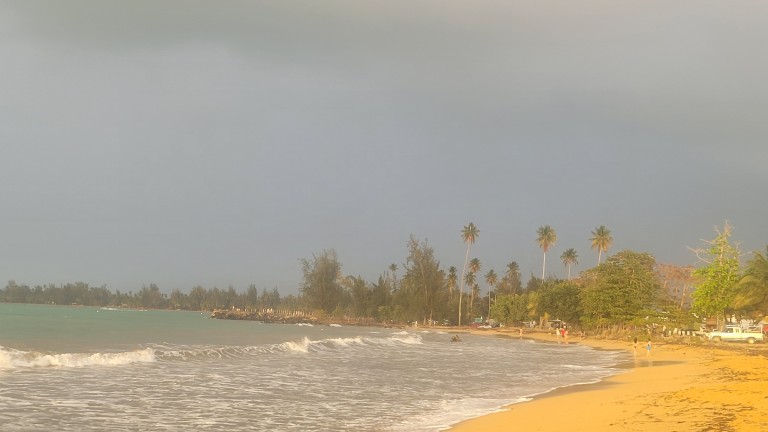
x: 547, y: 237
x: 601, y: 240
x: 469, y: 234
x: 490, y: 279
x: 452, y: 280
x: 569, y: 257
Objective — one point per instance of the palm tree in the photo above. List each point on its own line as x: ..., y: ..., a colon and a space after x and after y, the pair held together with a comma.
x: 490, y: 279
x: 752, y: 289
x: 546, y: 239
x: 469, y: 234
x: 601, y: 240
x: 469, y: 280
x: 452, y: 280
x: 513, y: 275
x: 569, y: 257
x: 474, y: 265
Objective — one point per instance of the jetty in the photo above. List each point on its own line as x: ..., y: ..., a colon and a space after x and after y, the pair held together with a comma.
x: 266, y: 315
x: 290, y: 317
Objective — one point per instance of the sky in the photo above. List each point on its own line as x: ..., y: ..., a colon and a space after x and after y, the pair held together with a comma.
x: 220, y: 143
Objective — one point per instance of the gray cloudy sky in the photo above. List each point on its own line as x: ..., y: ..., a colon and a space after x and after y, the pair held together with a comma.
x: 220, y: 142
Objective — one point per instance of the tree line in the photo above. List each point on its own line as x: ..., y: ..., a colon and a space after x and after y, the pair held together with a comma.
x: 627, y: 288
x: 148, y: 297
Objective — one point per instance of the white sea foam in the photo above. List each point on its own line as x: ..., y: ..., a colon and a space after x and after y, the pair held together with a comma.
x: 298, y: 347
x: 450, y: 412
x: 15, y: 359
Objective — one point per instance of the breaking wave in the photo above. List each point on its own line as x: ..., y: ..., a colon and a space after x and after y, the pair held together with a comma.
x: 16, y: 359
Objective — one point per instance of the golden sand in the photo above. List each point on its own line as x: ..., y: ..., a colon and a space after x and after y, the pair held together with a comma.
x: 680, y: 388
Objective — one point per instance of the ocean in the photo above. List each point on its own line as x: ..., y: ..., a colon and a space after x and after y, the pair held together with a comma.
x: 66, y: 368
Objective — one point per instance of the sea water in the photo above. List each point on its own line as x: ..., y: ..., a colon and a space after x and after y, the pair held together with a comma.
x: 94, y: 369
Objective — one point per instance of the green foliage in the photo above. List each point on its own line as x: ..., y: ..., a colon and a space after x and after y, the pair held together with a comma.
x: 560, y: 300
x: 546, y: 238
x: 510, y: 283
x: 469, y: 234
x: 601, y: 240
x: 321, y: 287
x: 752, y: 289
x: 569, y: 257
x: 715, y: 291
x: 149, y: 297
x: 510, y: 309
x: 424, y: 281
x: 620, y: 290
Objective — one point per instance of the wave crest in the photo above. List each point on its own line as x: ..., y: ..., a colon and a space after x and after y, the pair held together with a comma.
x: 15, y: 359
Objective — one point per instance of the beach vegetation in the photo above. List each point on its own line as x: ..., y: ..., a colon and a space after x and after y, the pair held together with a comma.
x: 629, y: 290
x: 751, y: 293
x: 321, y: 286
x: 546, y: 238
x: 424, y: 282
x: 620, y: 290
x: 717, y: 278
x: 510, y: 283
x: 560, y: 299
x: 469, y: 234
x: 601, y: 240
x: 569, y: 257
x: 511, y: 309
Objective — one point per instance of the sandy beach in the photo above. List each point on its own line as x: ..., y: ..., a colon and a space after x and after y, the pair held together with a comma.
x: 680, y: 388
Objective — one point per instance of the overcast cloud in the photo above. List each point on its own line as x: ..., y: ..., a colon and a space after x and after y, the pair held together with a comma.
x: 217, y: 143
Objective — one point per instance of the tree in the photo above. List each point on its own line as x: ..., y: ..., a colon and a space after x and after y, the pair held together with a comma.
x: 601, y: 240
x: 560, y: 300
x: 624, y: 289
x: 511, y: 282
x: 393, y: 270
x: 676, y: 282
x: 469, y: 280
x: 491, y: 279
x: 381, y: 292
x: 469, y: 234
x: 452, y: 281
x: 752, y: 288
x: 475, y: 265
x: 547, y: 237
x: 510, y: 309
x: 321, y: 287
x: 718, y: 276
x: 423, y: 278
x: 569, y: 257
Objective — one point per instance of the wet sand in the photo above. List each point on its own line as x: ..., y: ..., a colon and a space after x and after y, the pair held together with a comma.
x: 681, y: 388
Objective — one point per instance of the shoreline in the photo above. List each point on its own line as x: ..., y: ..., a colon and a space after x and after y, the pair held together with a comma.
x: 682, y: 388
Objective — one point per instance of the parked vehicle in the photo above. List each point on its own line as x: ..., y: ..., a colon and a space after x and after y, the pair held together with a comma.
x: 736, y: 334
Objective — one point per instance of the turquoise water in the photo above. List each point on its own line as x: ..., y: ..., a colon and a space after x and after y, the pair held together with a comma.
x: 76, y: 368
x: 66, y: 328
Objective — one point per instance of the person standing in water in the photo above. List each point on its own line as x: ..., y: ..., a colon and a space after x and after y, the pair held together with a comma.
x: 648, y: 348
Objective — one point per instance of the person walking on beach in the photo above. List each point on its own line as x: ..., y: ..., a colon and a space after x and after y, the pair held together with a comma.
x: 635, y: 346
x: 648, y: 348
